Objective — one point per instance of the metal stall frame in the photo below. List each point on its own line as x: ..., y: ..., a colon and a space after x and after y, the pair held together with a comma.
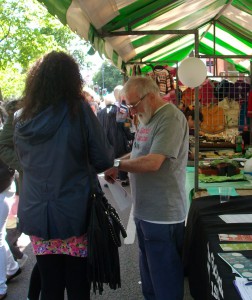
x: 196, y: 90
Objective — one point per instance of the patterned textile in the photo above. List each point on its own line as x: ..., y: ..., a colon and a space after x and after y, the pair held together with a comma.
x: 74, y: 246
x: 163, y: 78
x: 213, y: 119
x: 231, y: 112
x: 206, y: 93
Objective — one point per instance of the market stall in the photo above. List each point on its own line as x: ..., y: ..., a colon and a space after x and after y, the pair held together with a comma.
x: 130, y: 32
x: 137, y: 33
x: 210, y: 239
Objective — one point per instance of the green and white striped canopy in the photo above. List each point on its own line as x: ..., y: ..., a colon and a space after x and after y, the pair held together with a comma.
x: 143, y: 31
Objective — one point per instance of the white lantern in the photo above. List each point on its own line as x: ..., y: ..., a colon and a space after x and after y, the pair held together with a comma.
x: 192, y: 72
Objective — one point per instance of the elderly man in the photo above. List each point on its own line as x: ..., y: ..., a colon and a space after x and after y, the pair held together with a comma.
x: 157, y: 167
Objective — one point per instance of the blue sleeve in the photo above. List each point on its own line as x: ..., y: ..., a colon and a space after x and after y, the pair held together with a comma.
x: 100, y: 152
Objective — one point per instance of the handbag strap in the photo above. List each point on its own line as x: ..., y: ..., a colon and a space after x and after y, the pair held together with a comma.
x: 83, y: 133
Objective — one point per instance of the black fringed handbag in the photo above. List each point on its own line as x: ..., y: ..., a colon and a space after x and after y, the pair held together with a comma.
x: 103, y: 234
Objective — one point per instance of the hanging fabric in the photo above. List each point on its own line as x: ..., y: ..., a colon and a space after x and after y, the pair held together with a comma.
x: 213, y: 119
x: 206, y: 93
x: 231, y: 112
x: 224, y: 89
x: 138, y: 70
x: 164, y: 79
x: 249, y: 114
x: 134, y: 70
x: 188, y: 96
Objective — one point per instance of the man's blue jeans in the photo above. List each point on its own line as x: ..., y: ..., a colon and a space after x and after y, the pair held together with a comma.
x: 160, y: 261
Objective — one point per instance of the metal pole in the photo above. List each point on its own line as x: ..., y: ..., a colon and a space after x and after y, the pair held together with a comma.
x: 177, y: 87
x: 104, y: 33
x: 215, y: 59
x: 250, y: 125
x: 196, y: 124
x: 102, y: 77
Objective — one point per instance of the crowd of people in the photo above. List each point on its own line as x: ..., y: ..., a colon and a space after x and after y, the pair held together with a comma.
x: 133, y: 136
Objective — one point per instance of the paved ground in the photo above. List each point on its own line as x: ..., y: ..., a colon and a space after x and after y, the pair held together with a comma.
x: 131, y: 286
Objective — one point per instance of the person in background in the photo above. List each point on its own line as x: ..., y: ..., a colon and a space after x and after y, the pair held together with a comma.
x: 3, y: 115
x: 91, y: 97
x: 12, y: 231
x: 97, y: 100
x: 8, y: 155
x: 157, y: 168
x: 190, y: 116
x: 54, y: 198
x: 113, y: 121
x: 123, y: 117
x: 7, y: 152
x: 9, y: 268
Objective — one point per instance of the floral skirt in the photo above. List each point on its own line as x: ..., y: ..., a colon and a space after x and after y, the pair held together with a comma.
x: 74, y: 246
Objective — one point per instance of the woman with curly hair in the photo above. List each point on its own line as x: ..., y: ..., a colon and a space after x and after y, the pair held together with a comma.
x: 53, y: 207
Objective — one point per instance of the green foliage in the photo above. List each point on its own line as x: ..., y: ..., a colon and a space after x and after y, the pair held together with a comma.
x: 79, y: 50
x: 27, y: 32
x: 216, y: 162
x: 12, y: 83
x: 111, y: 75
x: 224, y: 161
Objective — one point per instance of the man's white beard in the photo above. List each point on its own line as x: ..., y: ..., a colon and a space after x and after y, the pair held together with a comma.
x: 144, y: 118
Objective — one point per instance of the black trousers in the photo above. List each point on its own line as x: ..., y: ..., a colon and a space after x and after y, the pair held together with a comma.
x: 35, y: 284
x: 60, y: 272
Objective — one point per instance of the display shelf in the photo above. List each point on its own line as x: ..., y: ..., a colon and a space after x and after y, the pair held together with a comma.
x: 212, y: 145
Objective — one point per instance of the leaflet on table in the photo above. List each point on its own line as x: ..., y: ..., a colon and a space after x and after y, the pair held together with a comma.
x: 237, y: 218
x: 236, y: 247
x: 243, y: 287
x: 235, y: 237
x: 239, y: 263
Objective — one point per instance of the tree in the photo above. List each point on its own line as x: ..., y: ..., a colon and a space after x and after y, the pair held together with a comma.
x: 12, y: 83
x: 108, y: 76
x: 27, y: 32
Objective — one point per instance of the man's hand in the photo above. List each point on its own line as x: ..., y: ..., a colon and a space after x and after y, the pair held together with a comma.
x: 111, y: 175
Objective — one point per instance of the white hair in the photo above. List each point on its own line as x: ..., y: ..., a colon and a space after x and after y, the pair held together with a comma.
x: 109, y: 99
x: 141, y: 85
x: 89, y: 91
x: 117, y: 92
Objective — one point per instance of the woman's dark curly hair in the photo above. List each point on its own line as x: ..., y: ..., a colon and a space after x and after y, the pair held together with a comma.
x: 52, y: 79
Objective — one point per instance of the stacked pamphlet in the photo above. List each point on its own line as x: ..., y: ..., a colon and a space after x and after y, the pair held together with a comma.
x: 235, y: 237
x: 236, y: 246
x: 244, y: 288
x: 239, y: 263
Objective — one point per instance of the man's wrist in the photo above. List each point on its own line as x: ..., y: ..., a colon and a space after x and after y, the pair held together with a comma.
x: 117, y: 163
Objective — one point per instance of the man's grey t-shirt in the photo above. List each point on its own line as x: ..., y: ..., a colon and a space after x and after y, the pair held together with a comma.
x: 160, y: 195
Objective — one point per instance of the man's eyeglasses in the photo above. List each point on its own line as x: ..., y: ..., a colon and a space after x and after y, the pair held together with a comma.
x: 135, y: 105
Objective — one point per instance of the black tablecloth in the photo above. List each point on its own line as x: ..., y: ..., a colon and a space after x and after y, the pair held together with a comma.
x: 209, y: 276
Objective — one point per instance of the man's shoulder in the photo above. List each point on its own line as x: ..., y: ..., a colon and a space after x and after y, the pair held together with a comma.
x: 171, y: 112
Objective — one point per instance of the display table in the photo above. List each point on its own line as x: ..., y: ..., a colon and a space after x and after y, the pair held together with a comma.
x: 242, y: 187
x: 208, y: 275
